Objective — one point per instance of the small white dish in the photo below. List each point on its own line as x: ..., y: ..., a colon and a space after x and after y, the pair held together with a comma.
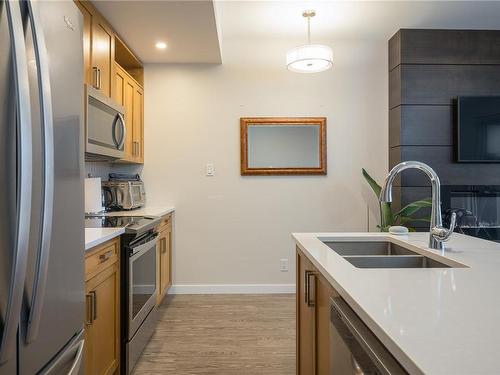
x: 398, y: 230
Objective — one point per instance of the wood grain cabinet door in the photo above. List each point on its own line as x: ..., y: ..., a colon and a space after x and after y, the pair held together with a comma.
x: 123, y: 93
x: 102, y: 55
x: 324, y: 292
x: 313, y: 319
x: 165, y: 263
x: 102, y: 323
x: 306, y: 341
x: 138, y: 127
x: 164, y: 269
x: 87, y: 39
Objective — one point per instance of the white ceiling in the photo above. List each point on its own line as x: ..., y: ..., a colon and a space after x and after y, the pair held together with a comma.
x: 188, y: 27
x: 351, y: 19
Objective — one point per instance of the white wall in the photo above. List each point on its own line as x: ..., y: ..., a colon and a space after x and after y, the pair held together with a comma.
x: 231, y: 229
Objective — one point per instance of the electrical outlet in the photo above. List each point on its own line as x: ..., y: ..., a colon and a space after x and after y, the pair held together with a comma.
x: 210, y: 170
x: 284, y: 265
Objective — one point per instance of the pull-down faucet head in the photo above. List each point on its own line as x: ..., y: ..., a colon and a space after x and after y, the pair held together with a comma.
x: 437, y: 234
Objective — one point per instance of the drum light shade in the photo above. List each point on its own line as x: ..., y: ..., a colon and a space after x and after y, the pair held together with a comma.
x: 309, y: 58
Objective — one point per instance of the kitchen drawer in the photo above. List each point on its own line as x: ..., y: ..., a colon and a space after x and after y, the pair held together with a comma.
x: 166, y: 221
x: 101, y: 257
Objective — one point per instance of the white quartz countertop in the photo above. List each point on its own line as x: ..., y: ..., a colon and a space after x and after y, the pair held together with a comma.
x: 97, y: 236
x: 433, y: 320
x: 144, y: 211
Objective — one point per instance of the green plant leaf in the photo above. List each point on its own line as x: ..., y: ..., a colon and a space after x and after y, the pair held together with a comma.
x: 414, y: 207
x: 386, y: 217
x: 373, y: 184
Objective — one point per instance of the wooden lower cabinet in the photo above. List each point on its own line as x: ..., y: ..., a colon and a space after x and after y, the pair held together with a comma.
x: 313, y: 319
x: 164, y: 258
x: 102, y: 315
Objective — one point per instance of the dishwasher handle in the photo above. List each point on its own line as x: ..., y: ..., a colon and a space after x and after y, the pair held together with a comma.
x: 354, y: 332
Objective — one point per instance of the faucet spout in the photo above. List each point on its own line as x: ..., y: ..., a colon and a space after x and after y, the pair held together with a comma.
x: 437, y: 234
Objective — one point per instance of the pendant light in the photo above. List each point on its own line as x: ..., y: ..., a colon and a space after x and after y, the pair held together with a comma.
x: 309, y: 58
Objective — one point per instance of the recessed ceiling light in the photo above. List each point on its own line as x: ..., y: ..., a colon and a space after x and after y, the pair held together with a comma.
x: 161, y: 45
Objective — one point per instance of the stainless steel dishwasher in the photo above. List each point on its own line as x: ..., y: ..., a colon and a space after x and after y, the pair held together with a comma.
x: 354, y: 348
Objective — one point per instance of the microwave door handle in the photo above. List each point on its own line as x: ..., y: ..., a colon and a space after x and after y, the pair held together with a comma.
x: 382, y: 359
x: 124, y: 130
x: 113, y: 131
x: 24, y: 178
x: 119, y: 118
x: 45, y: 94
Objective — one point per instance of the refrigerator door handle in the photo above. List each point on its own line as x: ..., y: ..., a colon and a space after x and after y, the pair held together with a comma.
x: 48, y: 172
x: 75, y: 368
x: 69, y: 361
x: 24, y: 186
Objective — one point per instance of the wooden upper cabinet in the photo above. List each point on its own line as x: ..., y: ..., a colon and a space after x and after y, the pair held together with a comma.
x: 130, y: 94
x: 123, y: 93
x: 98, y: 48
x: 111, y: 67
x: 87, y: 36
x: 102, y: 55
x: 138, y: 134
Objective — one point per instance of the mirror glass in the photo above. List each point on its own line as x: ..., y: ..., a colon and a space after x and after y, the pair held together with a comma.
x: 284, y: 146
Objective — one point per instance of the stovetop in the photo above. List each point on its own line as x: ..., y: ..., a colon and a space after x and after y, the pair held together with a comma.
x: 132, y: 224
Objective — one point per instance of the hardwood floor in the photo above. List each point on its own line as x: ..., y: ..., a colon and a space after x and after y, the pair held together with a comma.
x: 222, y: 334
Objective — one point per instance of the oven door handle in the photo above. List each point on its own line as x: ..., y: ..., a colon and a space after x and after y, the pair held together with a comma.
x: 342, y: 314
x: 140, y: 250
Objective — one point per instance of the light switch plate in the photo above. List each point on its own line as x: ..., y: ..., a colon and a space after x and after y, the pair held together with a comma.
x: 210, y: 170
x: 284, y: 265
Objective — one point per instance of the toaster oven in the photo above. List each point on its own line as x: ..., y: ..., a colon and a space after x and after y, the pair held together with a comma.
x: 123, y: 195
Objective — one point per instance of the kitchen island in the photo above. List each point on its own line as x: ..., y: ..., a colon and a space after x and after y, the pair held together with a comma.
x: 432, y: 320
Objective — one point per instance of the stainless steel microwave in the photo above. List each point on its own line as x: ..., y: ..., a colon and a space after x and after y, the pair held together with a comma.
x: 105, y: 127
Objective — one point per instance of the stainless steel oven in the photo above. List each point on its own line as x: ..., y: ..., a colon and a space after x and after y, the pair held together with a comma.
x: 142, y: 280
x: 138, y: 295
x: 355, y: 350
x: 105, y: 127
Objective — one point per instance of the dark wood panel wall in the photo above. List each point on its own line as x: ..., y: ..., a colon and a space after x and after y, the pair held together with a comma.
x: 428, y: 70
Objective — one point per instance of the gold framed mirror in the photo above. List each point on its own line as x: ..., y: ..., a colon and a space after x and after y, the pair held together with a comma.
x: 283, y: 145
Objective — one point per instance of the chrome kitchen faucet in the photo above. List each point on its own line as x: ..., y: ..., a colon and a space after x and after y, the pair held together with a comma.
x: 437, y: 233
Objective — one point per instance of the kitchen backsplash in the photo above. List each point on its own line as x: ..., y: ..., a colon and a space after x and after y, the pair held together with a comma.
x: 102, y: 169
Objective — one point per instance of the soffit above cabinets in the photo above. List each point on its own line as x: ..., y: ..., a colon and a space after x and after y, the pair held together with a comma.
x: 189, y: 28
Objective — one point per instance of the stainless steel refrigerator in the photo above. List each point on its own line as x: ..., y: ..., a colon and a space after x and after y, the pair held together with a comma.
x: 41, y: 188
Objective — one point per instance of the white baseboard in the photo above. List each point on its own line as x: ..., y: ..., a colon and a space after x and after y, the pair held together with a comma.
x: 232, y: 289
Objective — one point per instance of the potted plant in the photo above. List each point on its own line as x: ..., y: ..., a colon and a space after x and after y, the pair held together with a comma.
x: 404, y: 216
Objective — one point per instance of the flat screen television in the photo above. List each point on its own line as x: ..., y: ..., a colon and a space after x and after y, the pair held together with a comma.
x: 478, y: 134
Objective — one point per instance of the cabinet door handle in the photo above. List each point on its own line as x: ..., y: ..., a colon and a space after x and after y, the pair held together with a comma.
x: 310, y: 288
x: 306, y: 287
x: 164, y: 245
x: 97, y: 77
x: 104, y: 257
x: 89, y: 315
x: 94, y: 304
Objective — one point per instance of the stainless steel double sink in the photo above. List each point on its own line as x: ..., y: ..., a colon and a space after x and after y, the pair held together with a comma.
x: 381, y: 254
